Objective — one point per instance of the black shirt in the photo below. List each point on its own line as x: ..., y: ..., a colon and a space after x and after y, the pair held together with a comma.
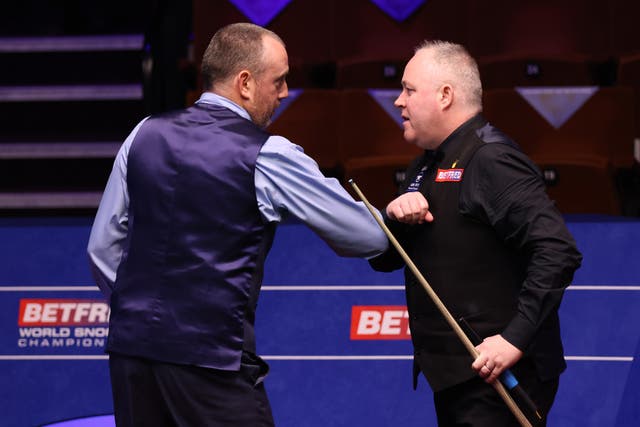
x: 503, y: 189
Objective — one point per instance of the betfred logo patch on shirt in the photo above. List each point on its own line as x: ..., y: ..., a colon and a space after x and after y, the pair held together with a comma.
x: 449, y: 175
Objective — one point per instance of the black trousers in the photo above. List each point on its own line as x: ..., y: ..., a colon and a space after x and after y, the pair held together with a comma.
x: 156, y: 394
x: 476, y: 403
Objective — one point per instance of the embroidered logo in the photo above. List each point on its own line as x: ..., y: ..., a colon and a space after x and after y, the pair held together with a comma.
x: 415, y: 185
x: 449, y: 175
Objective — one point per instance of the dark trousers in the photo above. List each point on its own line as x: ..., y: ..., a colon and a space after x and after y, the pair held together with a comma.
x: 476, y: 403
x: 156, y: 394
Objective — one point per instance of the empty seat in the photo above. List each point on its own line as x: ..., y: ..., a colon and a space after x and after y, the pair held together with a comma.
x: 602, y: 126
x: 510, y: 70
x: 580, y: 184
x: 301, y: 24
x: 629, y: 75
x: 311, y: 122
x: 373, y: 73
x: 512, y: 114
x: 369, y: 128
x: 311, y: 74
x: 378, y: 177
x: 372, y: 148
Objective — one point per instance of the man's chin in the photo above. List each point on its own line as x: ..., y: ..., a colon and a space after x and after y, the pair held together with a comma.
x: 263, y: 123
x: 410, y: 137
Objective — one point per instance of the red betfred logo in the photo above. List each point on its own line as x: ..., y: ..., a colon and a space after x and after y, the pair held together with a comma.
x: 62, y: 312
x: 379, y: 322
x: 449, y: 175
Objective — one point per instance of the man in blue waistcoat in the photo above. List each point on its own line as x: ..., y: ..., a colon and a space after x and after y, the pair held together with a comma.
x: 475, y: 219
x: 182, y: 232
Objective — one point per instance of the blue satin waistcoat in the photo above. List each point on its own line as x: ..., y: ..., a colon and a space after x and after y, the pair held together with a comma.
x: 188, y: 283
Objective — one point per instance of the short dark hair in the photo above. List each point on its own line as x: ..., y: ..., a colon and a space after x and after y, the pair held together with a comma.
x: 233, y: 48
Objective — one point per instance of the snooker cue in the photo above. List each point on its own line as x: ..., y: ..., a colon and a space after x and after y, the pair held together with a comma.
x: 515, y: 410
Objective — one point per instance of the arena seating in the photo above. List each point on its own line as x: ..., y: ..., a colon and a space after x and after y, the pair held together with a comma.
x: 629, y: 75
x: 511, y: 70
x: 587, y: 149
x: 372, y: 149
x: 311, y: 122
x: 75, y: 80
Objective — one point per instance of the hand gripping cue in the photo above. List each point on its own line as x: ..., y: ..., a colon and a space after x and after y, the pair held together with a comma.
x: 517, y: 412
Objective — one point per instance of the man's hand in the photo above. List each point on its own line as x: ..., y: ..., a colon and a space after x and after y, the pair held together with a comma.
x: 410, y: 208
x: 495, y: 356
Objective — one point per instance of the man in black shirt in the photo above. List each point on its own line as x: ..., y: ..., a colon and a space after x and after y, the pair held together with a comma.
x: 476, y: 220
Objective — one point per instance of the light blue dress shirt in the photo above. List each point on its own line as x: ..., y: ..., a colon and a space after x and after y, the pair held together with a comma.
x: 289, y: 185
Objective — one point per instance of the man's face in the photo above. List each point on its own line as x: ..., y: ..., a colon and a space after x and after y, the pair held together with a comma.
x: 271, y: 84
x: 418, y: 103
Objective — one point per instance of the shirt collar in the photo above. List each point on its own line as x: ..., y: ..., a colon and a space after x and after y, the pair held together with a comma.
x: 215, y: 99
x: 473, y: 123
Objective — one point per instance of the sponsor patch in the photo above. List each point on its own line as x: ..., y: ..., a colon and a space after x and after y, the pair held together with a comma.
x: 449, y: 175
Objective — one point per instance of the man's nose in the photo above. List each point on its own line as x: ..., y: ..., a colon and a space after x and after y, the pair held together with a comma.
x: 399, y: 102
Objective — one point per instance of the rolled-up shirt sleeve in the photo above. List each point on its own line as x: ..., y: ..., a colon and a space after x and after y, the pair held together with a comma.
x: 510, y: 195
x: 289, y: 184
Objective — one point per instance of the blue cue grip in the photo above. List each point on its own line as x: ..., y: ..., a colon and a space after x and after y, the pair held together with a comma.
x: 506, y: 378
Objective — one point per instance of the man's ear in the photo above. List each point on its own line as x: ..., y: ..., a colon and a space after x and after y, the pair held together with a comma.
x: 245, y: 84
x: 445, y: 96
